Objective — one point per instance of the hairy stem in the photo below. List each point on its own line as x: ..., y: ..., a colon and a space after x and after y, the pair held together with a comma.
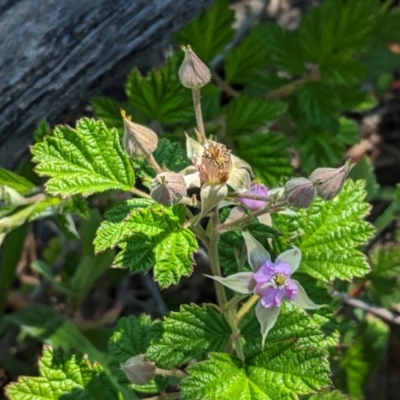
x: 199, y: 116
x: 139, y: 193
x: 224, y: 86
x: 246, y: 308
x: 177, y: 373
x: 154, y: 164
x: 214, y: 258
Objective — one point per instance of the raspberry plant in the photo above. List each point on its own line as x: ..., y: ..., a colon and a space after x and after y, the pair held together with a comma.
x: 279, y: 246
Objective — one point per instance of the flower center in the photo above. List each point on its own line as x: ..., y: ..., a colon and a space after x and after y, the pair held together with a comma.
x: 215, y: 164
x: 280, y: 280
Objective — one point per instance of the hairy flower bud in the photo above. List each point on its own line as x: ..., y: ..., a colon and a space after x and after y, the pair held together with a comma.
x: 168, y: 188
x: 193, y: 73
x: 299, y: 192
x: 139, y: 140
x: 329, y: 181
x: 138, y: 370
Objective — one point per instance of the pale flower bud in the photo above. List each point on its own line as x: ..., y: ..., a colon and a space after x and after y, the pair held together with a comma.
x: 299, y: 192
x: 168, y: 188
x: 139, y: 141
x: 193, y: 73
x: 138, y: 370
x: 329, y: 181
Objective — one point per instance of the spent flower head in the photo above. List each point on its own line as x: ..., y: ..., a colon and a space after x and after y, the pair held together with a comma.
x: 271, y: 281
x: 214, y: 168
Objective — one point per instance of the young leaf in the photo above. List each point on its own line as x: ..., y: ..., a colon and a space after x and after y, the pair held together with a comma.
x: 244, y: 115
x: 320, y: 106
x: 189, y: 333
x: 210, y: 32
x: 250, y: 56
x: 268, y: 155
x: 114, y: 228
x: 15, y: 181
x: 63, y: 376
x: 84, y: 160
x: 286, y: 371
x: 328, y: 234
x: 341, y: 70
x: 109, y: 111
x: 157, y: 240
x: 159, y: 95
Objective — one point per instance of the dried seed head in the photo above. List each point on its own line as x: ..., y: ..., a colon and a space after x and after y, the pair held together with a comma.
x: 299, y: 192
x: 139, y: 141
x: 329, y: 181
x: 193, y: 73
x: 168, y: 188
x: 138, y: 370
x: 216, y: 164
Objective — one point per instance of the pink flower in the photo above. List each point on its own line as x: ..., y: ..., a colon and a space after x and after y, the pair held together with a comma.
x: 257, y: 190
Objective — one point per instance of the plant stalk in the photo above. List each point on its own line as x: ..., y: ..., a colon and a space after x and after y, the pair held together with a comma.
x: 246, y: 308
x: 201, y: 134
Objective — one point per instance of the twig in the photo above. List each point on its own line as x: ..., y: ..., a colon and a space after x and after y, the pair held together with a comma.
x: 224, y: 86
x: 154, y: 164
x: 379, y: 312
x: 139, y: 193
x: 199, y: 116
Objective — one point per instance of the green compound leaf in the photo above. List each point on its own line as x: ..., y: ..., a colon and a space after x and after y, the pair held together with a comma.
x: 341, y: 70
x: 250, y: 56
x: 268, y: 156
x: 15, y: 181
x: 318, y: 148
x: 320, y: 106
x: 109, y: 111
x: 84, y: 160
x: 336, y: 26
x: 159, y: 95
x: 189, y: 333
x: 284, y: 372
x: 168, y: 154
x: 210, y: 32
x: 67, y: 377
x: 154, y: 238
x: 328, y: 234
x: 244, y: 115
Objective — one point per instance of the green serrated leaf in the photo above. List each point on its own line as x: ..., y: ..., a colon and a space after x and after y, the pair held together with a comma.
x: 336, y: 26
x: 339, y: 70
x: 328, y: 234
x: 322, y: 148
x: 114, y: 228
x: 209, y: 32
x: 150, y: 237
x: 189, y: 333
x: 84, y: 160
x: 329, y: 395
x: 385, y: 260
x: 249, y: 57
x: 364, y: 170
x: 284, y: 372
x: 67, y: 377
x: 109, y: 111
x: 268, y: 156
x: 284, y: 49
x: 15, y: 181
x: 244, y: 115
x: 320, y: 106
x: 159, y: 95
x: 42, y: 130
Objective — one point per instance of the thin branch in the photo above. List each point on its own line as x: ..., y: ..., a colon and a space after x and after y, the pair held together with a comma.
x: 379, y: 312
x: 199, y: 116
x: 139, y: 193
x: 224, y: 86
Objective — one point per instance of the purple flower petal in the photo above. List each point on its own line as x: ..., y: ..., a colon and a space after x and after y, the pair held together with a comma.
x: 265, y: 273
x: 256, y: 190
x: 282, y: 268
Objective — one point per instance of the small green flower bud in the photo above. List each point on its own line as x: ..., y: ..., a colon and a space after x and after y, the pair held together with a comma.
x: 139, y: 141
x: 193, y: 73
x: 139, y: 371
x: 299, y: 192
x: 329, y: 181
x: 168, y: 188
